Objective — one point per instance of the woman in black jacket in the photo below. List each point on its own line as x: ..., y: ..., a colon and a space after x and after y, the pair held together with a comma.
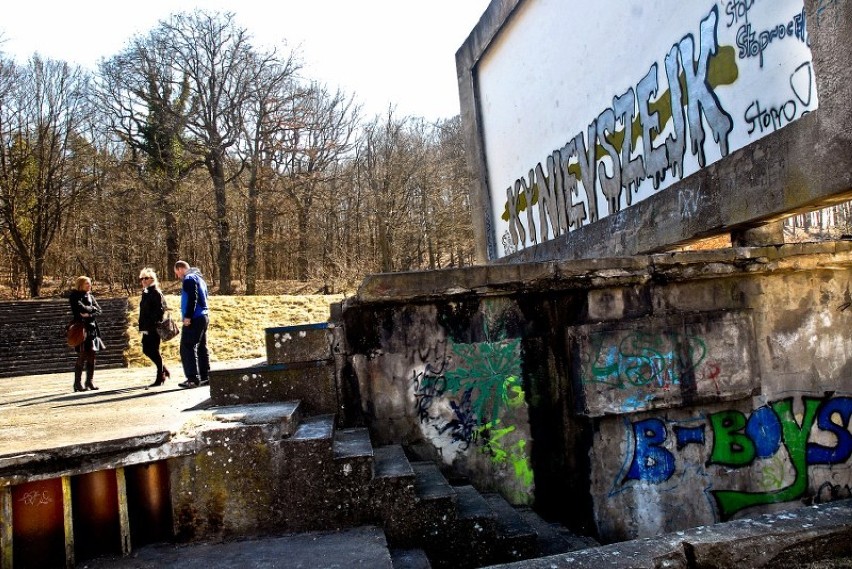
x: 152, y: 307
x: 85, y: 309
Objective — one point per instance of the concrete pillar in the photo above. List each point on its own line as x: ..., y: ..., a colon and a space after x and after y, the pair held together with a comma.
x: 123, y: 517
x: 68, y: 522
x: 759, y: 236
x: 6, y: 557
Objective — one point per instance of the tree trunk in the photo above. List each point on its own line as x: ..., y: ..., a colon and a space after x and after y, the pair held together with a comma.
x: 223, y: 226
x: 302, y: 253
x: 172, y: 242
x: 35, y: 278
x: 251, y: 239
x: 270, y: 261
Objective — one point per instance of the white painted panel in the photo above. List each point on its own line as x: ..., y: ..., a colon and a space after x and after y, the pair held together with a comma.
x: 557, y: 65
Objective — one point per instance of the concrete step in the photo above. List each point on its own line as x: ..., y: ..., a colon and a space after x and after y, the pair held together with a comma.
x: 472, y: 507
x: 469, y: 541
x: 282, y: 418
x: 346, y: 495
x: 302, y: 343
x: 317, y: 432
x: 516, y: 538
x: 353, y: 460
x: 312, y: 383
x: 352, y: 443
x: 409, y: 559
x: 308, y: 473
x: 392, y: 491
x: 553, y: 538
x: 355, y: 548
x: 391, y: 462
x: 434, y: 510
x: 430, y: 485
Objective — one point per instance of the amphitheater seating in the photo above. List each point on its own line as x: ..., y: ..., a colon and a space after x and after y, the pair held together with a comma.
x: 32, y: 336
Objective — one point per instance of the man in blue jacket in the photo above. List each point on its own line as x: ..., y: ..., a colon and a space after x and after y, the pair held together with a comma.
x: 193, y: 337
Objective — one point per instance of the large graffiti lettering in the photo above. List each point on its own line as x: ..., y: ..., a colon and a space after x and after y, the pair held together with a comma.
x: 740, y: 70
x: 772, y: 432
x: 481, y: 385
x: 643, y: 112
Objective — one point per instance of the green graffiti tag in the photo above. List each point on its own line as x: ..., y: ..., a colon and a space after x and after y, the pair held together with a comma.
x: 641, y: 359
x: 515, y: 454
x: 491, y: 372
x: 482, y: 385
x: 729, y: 448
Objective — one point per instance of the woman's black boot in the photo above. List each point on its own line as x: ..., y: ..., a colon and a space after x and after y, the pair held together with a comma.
x: 161, y: 379
x: 78, y: 375
x: 90, y: 372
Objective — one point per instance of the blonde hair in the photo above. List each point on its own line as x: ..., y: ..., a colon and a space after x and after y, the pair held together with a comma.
x: 148, y: 272
x: 80, y: 281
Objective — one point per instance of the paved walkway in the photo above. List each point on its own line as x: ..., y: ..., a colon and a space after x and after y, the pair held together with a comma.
x: 42, y: 412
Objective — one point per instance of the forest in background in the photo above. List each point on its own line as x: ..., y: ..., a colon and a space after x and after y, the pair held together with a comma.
x: 191, y: 143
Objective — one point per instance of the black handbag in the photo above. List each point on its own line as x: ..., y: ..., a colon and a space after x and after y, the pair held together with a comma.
x: 168, y: 328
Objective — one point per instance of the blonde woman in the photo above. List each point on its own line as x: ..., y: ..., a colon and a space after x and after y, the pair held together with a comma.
x: 152, y: 307
x: 85, y: 309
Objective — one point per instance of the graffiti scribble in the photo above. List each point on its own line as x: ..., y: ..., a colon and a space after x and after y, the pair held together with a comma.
x: 481, y: 385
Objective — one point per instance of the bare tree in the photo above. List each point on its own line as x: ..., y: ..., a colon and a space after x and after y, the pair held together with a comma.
x: 389, y: 157
x: 222, y: 71
x: 145, y: 101
x: 45, y: 162
x: 269, y: 113
x: 307, y: 151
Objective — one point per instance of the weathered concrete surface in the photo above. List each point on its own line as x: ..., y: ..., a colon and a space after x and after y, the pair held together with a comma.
x: 312, y: 383
x: 303, y: 343
x: 46, y: 427
x: 614, y: 391
x: 603, y: 378
x: 357, y: 548
x: 789, y: 540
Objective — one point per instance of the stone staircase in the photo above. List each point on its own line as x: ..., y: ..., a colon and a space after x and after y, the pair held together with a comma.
x: 266, y: 469
x: 304, y: 470
x: 32, y: 336
x: 272, y: 455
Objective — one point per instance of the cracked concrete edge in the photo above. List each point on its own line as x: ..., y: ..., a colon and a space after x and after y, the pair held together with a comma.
x: 784, y: 539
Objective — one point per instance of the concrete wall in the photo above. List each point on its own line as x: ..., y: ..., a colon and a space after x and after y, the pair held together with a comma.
x: 626, y: 396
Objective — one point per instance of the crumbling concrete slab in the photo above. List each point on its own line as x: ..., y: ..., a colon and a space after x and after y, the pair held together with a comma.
x: 363, y: 547
x: 787, y: 539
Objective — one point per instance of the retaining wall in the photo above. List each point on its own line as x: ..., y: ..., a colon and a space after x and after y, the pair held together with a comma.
x: 628, y: 397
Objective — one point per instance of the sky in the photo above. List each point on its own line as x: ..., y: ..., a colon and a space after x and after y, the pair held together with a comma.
x: 385, y: 52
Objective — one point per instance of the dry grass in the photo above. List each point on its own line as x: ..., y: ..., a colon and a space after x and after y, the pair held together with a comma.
x: 237, y: 324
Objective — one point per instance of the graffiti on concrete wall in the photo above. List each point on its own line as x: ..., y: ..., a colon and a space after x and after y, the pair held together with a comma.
x: 773, y: 449
x: 475, y: 397
x: 658, y: 362
x: 641, y: 361
x: 740, y: 71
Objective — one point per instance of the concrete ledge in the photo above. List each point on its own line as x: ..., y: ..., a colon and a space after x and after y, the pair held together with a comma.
x: 312, y: 383
x: 787, y: 539
x: 498, y: 279
x: 77, y: 458
x: 303, y: 343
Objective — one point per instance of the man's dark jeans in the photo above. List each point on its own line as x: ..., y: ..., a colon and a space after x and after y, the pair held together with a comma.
x: 193, y: 350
